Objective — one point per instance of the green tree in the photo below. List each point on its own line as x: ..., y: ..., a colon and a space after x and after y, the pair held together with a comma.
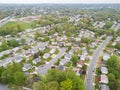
x: 38, y: 86
x: 4, y: 46
x: 66, y: 85
x: 117, y: 46
x: 13, y: 43
x: 74, y: 59
x: 19, y: 78
x: 53, y: 85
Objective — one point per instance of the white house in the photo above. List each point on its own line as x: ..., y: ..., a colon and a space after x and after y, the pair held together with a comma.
x: 46, y: 55
x: 103, y: 79
x: 52, y: 51
x: 18, y: 59
x: 104, y: 70
x: 37, y: 60
x: 104, y: 87
x: 26, y: 67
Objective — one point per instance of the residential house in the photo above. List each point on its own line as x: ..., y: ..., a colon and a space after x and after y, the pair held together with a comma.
x: 54, y: 43
x: 61, y: 67
x: 37, y: 60
x: 104, y: 87
x: 18, y: 59
x: 64, y: 61
x: 67, y: 56
x: 80, y: 64
x: 83, y: 57
x: 104, y: 70
x: 26, y: 67
x: 52, y: 51
x: 34, y: 50
x: 103, y: 79
x: 106, y: 57
x: 27, y: 55
x: 46, y: 55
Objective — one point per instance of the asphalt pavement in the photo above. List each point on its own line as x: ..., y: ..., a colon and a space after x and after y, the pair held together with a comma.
x: 89, y: 79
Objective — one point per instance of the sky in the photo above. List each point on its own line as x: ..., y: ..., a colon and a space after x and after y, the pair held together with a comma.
x: 59, y: 1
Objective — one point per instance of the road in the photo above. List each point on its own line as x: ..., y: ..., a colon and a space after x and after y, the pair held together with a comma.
x: 89, y: 78
x: 43, y: 70
x: 3, y: 87
x: 5, y: 20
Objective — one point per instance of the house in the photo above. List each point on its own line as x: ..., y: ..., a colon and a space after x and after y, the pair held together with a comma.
x: 103, y: 79
x: 5, y: 63
x: 80, y: 64
x: 84, y: 52
x: 37, y: 60
x: 104, y: 70
x: 106, y: 57
x: 64, y: 61
x: 61, y: 44
x: 18, y: 59
x: 34, y: 50
x: 118, y: 51
x: 104, y: 87
x: 67, y: 56
x: 71, y: 52
x: 83, y: 57
x: 27, y: 55
x: 54, y: 43
x: 52, y: 51
x: 42, y: 46
x: 26, y: 67
x: 46, y: 55
x: 75, y: 45
x: 16, y: 49
x: 61, y: 67
x: 68, y: 44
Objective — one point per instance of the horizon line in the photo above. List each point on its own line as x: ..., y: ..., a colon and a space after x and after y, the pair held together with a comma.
x: 60, y: 3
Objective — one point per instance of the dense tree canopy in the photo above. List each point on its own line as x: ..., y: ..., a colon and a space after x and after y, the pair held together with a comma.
x: 114, y: 72
x: 60, y: 80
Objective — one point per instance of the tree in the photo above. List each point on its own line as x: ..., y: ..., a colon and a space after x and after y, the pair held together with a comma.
x: 23, y: 41
x: 38, y: 86
x: 19, y: 78
x: 4, y: 46
x: 74, y: 59
x: 53, y: 85
x: 66, y: 85
x: 13, y: 43
x: 117, y: 46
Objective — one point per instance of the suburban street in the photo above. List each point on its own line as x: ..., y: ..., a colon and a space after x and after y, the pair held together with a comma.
x: 43, y: 70
x: 3, y: 87
x: 5, y: 20
x: 89, y: 78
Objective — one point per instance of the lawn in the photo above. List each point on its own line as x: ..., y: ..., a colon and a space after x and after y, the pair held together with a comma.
x: 24, y: 25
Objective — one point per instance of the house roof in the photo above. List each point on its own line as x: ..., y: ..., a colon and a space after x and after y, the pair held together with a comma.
x: 46, y: 55
x: 104, y: 70
x: 63, y: 61
x: 61, y: 67
x: 27, y: 67
x: 36, y: 60
x: 103, y: 79
x: 80, y: 62
x: 106, y: 57
x: 104, y: 87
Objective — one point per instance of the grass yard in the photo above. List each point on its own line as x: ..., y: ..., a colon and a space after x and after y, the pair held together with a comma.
x: 24, y: 25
